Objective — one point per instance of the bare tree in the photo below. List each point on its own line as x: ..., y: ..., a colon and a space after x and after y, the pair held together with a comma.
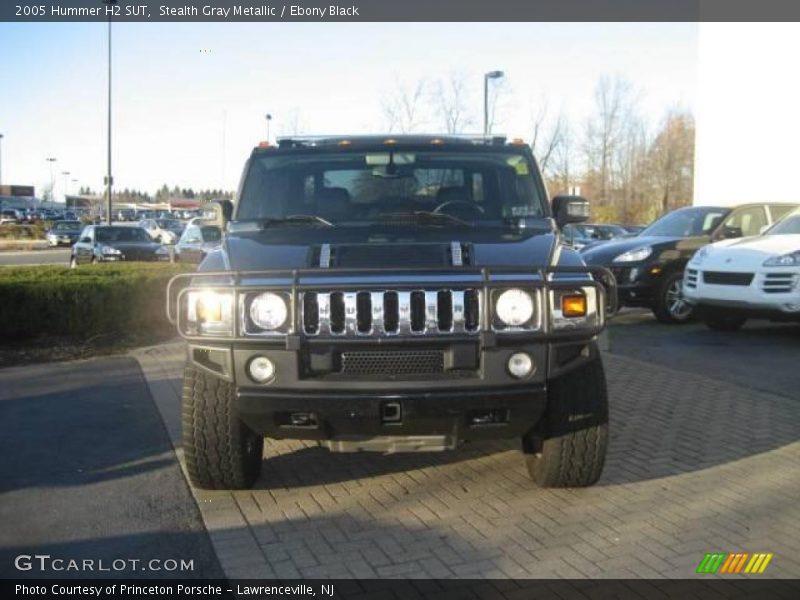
x: 547, y: 134
x: 402, y: 107
x: 614, y: 106
x: 452, y: 102
x: 672, y: 158
x: 294, y: 123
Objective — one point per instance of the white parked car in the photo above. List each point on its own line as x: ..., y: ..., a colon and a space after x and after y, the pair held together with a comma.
x: 165, y: 231
x: 753, y: 277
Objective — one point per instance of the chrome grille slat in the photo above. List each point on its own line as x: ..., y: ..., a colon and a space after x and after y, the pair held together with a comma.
x: 350, y: 314
x: 386, y: 313
x: 404, y: 313
x: 432, y: 311
x: 376, y: 298
x: 324, y: 310
x: 459, y: 319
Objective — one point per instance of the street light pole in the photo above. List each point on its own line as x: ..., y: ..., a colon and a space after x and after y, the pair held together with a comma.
x: 486, y: 78
x: 1, y: 159
x: 109, y: 178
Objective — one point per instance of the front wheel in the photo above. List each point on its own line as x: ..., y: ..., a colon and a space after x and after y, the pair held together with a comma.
x: 221, y: 452
x: 568, y: 448
x: 670, y: 306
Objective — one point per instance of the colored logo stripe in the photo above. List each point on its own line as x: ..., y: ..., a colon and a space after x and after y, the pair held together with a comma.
x: 711, y: 562
x: 758, y: 563
x: 722, y: 562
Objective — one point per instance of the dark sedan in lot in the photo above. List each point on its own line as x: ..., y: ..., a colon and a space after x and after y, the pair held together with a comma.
x: 110, y: 243
x: 63, y: 233
x: 649, y: 267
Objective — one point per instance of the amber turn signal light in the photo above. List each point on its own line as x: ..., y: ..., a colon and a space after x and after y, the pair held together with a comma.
x: 573, y: 306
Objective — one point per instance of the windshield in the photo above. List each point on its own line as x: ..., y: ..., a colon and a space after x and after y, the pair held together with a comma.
x: 365, y: 187
x: 66, y: 225
x: 789, y: 225
x: 211, y: 233
x: 121, y: 234
x: 687, y: 222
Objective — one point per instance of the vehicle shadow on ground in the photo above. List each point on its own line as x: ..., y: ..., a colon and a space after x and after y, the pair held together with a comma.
x: 662, y: 424
x: 80, y: 436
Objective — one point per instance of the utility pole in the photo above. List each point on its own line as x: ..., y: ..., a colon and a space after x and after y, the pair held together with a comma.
x: 109, y: 179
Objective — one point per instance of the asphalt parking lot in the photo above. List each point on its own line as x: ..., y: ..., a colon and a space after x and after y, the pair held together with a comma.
x: 704, y: 457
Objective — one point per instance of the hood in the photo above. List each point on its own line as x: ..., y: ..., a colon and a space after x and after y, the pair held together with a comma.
x: 340, y: 250
x: 603, y: 254
x: 747, y: 253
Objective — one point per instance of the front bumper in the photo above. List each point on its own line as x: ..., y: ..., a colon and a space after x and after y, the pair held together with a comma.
x: 637, y: 283
x: 773, y: 292
x: 450, y: 416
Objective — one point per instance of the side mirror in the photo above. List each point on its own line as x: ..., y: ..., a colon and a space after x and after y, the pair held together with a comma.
x: 570, y: 209
x: 222, y: 210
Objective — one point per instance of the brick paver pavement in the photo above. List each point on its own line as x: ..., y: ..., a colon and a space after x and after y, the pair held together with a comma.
x: 695, y: 465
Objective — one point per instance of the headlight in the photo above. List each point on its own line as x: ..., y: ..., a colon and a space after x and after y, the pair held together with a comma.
x: 210, y: 313
x: 699, y: 256
x: 268, y: 311
x: 514, y: 307
x: 787, y: 260
x: 109, y: 250
x: 636, y: 255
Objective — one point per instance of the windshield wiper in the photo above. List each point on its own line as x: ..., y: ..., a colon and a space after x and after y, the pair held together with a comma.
x: 423, y: 217
x: 296, y: 219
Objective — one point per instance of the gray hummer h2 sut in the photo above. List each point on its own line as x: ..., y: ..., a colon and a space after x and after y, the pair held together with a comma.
x: 393, y: 294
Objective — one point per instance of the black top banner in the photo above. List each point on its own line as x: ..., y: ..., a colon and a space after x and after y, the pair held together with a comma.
x: 399, y: 10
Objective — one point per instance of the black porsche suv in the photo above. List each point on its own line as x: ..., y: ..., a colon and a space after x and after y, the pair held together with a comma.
x: 649, y: 266
x: 402, y: 293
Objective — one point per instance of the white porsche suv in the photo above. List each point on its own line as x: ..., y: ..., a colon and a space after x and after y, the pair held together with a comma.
x: 753, y: 277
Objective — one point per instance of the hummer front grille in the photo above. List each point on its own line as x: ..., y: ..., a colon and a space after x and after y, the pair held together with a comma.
x: 391, y: 313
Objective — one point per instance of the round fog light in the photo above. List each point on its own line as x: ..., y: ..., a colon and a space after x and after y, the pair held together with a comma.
x: 261, y: 369
x: 520, y: 365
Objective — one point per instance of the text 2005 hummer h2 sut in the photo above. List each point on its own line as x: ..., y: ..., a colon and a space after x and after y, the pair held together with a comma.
x: 402, y: 293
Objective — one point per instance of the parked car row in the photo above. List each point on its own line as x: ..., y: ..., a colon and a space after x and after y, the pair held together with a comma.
x: 649, y: 267
x: 114, y: 243
x: 29, y: 216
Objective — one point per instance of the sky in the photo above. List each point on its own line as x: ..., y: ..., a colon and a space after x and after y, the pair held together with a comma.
x: 189, y: 99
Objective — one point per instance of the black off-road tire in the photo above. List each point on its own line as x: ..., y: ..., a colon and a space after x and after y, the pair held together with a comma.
x: 663, y: 304
x: 568, y: 447
x: 221, y: 452
x: 724, y: 322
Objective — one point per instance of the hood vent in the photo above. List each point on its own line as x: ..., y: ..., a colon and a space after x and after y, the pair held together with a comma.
x: 326, y: 256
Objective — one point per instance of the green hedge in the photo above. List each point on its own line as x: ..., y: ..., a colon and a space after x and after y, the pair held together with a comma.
x: 125, y: 298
